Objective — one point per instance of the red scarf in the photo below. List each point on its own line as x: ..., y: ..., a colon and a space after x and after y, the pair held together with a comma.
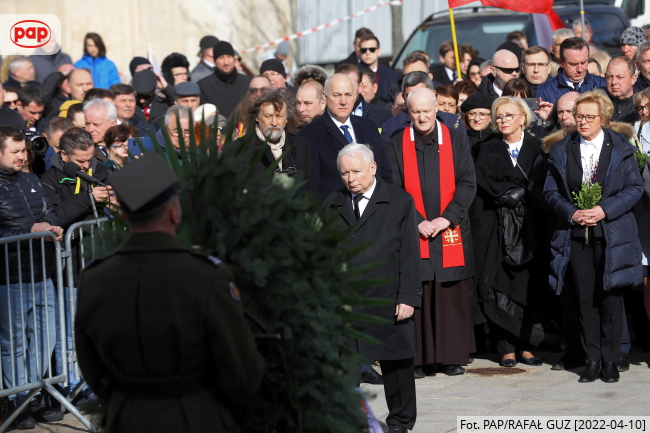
x: 452, y: 241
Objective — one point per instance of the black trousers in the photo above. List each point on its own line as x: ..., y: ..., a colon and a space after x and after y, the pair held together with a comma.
x: 399, y: 388
x: 601, y: 311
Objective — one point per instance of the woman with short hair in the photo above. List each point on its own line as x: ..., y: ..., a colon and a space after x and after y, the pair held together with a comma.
x: 607, y: 258
x: 116, y: 140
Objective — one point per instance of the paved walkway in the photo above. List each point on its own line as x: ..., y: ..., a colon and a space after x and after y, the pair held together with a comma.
x: 538, y: 391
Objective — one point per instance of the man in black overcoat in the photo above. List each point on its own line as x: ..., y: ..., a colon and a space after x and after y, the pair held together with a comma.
x: 384, y: 215
x: 336, y: 128
x: 444, y: 324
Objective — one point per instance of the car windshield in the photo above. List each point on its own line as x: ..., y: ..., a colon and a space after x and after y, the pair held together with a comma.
x: 607, y: 28
x: 484, y: 36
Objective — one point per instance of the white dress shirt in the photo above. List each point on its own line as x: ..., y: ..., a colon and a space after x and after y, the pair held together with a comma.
x: 450, y: 74
x: 496, y: 89
x: 366, y: 198
x: 347, y: 123
x: 589, y: 154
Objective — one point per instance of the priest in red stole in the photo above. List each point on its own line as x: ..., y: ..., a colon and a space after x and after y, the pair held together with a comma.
x: 433, y: 163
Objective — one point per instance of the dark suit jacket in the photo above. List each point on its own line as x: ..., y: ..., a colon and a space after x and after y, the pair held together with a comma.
x: 327, y: 140
x: 373, y: 112
x: 389, y: 223
x: 397, y: 124
x: 352, y: 59
x: 456, y: 211
x: 440, y: 74
x: 387, y: 77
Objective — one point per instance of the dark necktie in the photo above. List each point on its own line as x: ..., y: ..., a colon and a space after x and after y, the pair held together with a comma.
x: 356, y: 200
x: 455, y: 75
x: 346, y: 133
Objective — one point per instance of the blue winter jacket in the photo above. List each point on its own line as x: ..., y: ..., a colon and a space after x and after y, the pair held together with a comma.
x: 557, y: 86
x: 622, y: 189
x: 104, y: 71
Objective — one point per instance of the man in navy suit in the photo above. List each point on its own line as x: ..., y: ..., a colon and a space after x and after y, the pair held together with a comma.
x: 335, y: 129
x: 361, y: 107
x: 384, y: 76
x: 415, y: 80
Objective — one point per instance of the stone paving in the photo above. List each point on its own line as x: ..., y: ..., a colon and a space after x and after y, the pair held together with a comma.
x: 538, y: 391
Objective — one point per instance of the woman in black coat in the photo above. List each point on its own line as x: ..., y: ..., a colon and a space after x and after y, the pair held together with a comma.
x: 506, y: 270
x: 607, y: 257
x: 476, y: 114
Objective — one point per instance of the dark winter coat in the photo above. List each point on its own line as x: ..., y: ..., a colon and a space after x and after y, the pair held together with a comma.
x: 327, y: 140
x: 456, y: 211
x: 624, y: 110
x: 389, y: 223
x: 554, y: 87
x: 385, y: 78
x: 9, y: 117
x: 487, y: 86
x: 22, y: 204
x: 225, y: 96
x: 373, y: 112
x: 440, y: 74
x: 201, y: 71
x: 622, y: 189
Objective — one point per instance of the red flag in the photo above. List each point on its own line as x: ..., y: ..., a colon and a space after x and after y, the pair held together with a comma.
x: 530, y: 6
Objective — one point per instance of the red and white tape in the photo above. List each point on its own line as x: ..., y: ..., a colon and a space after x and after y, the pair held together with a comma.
x: 322, y: 26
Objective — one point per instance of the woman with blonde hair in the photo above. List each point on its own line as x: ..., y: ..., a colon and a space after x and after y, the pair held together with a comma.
x: 598, y: 242
x: 507, y: 271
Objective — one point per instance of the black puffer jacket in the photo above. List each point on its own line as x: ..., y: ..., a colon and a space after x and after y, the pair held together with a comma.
x: 60, y: 190
x: 22, y: 204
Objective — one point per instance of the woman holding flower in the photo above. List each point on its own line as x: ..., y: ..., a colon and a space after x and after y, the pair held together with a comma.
x: 607, y: 257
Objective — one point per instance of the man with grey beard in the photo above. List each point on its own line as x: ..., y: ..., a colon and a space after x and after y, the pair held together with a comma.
x: 274, y: 114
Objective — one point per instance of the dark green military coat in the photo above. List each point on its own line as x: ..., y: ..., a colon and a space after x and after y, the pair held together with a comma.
x: 155, y: 313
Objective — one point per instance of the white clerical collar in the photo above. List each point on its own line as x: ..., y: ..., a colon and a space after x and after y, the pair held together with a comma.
x: 368, y: 193
x: 597, y: 142
x: 496, y: 89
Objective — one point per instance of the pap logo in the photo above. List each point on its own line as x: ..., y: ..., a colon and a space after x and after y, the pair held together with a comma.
x: 30, y: 34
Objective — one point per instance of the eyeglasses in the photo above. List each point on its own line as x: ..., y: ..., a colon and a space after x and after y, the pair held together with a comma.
x: 365, y: 50
x: 588, y: 117
x: 174, y: 132
x: 180, y: 74
x: 641, y: 108
x: 506, y: 118
x: 481, y: 116
x: 254, y: 90
x: 270, y: 74
x: 533, y: 65
x: 507, y: 70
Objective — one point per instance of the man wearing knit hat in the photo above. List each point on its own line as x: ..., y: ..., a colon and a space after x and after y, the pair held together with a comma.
x: 206, y: 65
x: 631, y: 39
x: 224, y: 88
x: 273, y: 69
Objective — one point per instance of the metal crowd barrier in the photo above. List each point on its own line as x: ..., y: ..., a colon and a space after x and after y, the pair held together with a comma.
x: 74, y: 239
x: 28, y: 320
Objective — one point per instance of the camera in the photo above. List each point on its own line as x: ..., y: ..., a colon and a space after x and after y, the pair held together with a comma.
x: 39, y: 144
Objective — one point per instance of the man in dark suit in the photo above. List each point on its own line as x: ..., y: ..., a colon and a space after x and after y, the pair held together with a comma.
x: 384, y: 76
x: 361, y: 107
x: 415, y: 80
x: 433, y: 163
x: 355, y: 57
x: 446, y: 72
x: 385, y: 216
x: 336, y: 128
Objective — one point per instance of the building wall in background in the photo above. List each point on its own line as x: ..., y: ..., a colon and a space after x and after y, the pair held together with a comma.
x: 170, y: 25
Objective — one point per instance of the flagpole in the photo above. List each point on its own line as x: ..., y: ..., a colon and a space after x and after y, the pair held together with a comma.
x: 582, y: 19
x: 453, y: 35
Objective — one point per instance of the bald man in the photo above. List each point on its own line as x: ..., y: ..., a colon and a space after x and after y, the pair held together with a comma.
x: 433, y: 163
x: 310, y: 101
x: 337, y: 128
x: 565, y: 119
x: 505, y: 67
x: 621, y: 76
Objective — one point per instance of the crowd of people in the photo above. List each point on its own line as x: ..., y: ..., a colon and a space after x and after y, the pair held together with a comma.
x: 488, y: 174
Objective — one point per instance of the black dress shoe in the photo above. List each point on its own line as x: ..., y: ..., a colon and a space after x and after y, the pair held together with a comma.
x: 396, y: 429
x: 535, y: 361
x: 623, y: 364
x: 453, y: 370
x: 25, y: 421
x: 558, y: 366
x: 591, y: 373
x: 372, y: 377
x: 610, y: 372
x: 419, y: 373
x: 569, y: 362
x: 508, y: 362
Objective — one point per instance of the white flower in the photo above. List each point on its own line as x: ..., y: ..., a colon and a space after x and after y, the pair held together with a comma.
x: 344, y: 267
x: 245, y: 191
x: 283, y: 180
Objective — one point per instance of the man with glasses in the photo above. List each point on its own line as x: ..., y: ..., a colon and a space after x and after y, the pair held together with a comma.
x: 259, y: 85
x: 384, y: 76
x: 573, y: 74
x: 175, y: 115
x: 505, y: 67
x: 620, y: 77
x: 536, y: 65
x: 273, y: 69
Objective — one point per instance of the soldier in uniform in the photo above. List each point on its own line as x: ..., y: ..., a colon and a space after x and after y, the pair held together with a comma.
x: 160, y: 331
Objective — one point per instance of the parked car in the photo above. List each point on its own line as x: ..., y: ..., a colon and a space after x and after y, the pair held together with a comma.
x: 485, y: 28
